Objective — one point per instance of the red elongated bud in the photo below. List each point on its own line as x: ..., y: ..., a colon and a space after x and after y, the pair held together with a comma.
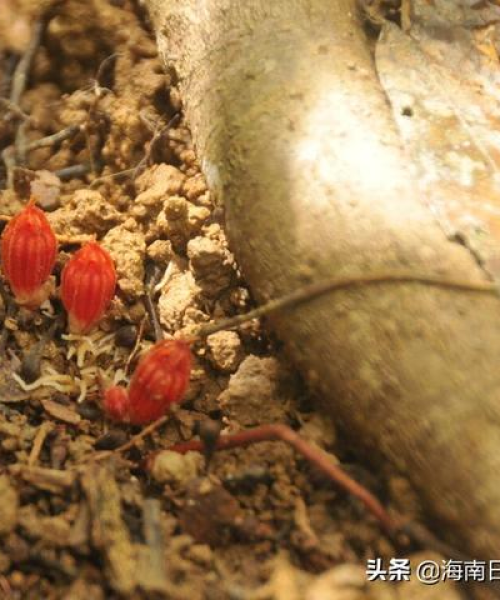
x: 88, y: 284
x: 116, y: 403
x: 160, y: 379
x: 29, y: 249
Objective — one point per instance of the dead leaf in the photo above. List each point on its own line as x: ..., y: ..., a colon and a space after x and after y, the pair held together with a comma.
x: 61, y: 412
x: 109, y: 533
x: 10, y: 391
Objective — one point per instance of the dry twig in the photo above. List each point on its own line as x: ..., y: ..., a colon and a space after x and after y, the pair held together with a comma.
x: 22, y: 71
x: 137, y: 345
x: 151, y: 281
x: 152, y: 573
x: 158, y: 135
x: 109, y: 533
x: 38, y: 442
x: 73, y: 171
x: 130, y: 444
x: 13, y: 108
x: 12, y: 155
x: 56, y: 138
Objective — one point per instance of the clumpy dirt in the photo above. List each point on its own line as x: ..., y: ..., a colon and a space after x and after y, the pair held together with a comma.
x: 76, y: 523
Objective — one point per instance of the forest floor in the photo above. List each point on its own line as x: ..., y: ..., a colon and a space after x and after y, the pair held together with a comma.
x: 79, y: 524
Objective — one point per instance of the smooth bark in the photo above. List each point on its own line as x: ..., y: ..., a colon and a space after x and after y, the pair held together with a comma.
x: 296, y: 139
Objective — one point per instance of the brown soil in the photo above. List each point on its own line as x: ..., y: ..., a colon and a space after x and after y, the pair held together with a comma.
x: 262, y: 524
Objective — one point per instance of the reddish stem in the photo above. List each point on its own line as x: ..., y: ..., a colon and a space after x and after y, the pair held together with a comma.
x: 313, y: 454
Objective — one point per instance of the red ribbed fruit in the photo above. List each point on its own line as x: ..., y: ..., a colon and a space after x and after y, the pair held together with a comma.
x: 160, y: 379
x: 29, y: 249
x: 88, y: 284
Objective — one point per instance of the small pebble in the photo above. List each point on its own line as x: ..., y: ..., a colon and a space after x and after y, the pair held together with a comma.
x: 170, y: 467
x: 49, y: 203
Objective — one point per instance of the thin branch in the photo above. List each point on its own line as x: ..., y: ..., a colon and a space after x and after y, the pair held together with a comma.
x: 98, y: 87
x: 151, y: 281
x: 55, y: 138
x: 158, y: 134
x: 21, y: 74
x: 104, y: 178
x: 134, y: 172
x: 44, y: 429
x: 73, y: 171
x: 10, y: 63
x: 13, y: 108
x: 9, y: 159
x: 315, y: 290
x: 130, y: 444
x: 12, y: 155
x: 20, y: 143
x: 137, y: 345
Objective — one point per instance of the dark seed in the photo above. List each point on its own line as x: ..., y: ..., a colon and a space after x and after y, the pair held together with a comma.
x: 111, y: 440
x: 30, y: 367
x: 126, y: 336
x: 89, y: 411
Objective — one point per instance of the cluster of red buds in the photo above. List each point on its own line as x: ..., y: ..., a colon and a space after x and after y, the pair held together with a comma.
x: 159, y: 380
x: 29, y: 250
x: 88, y: 281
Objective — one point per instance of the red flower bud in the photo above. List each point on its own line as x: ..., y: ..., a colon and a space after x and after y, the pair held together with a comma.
x: 160, y: 379
x: 116, y: 403
x: 87, y: 286
x: 29, y: 249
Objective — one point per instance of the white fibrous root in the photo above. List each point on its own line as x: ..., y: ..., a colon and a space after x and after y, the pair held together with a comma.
x: 84, y: 349
x: 95, y: 344
x: 52, y: 379
x: 167, y: 276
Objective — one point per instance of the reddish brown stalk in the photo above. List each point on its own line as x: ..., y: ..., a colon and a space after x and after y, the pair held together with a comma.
x: 320, y: 288
x: 399, y: 529
x: 313, y: 454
